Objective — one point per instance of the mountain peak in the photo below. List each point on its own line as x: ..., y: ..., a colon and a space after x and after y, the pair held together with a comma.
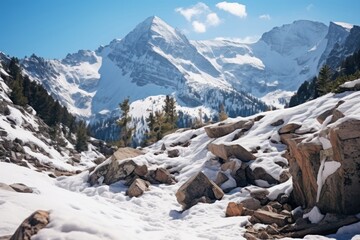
x: 346, y: 26
x: 154, y: 28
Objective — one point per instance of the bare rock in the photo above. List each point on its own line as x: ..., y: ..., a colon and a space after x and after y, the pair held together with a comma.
x: 138, y: 187
x: 162, y: 175
x: 251, y: 203
x: 141, y: 170
x: 20, y: 187
x: 259, y: 174
x: 337, y: 114
x: 226, y: 151
x: 173, y: 153
x: 289, y: 128
x: 233, y: 209
x: 271, y: 217
x: 277, y: 123
x: 259, y: 194
x: 31, y: 226
x: 225, y: 129
x: 221, y: 178
x: 196, y: 188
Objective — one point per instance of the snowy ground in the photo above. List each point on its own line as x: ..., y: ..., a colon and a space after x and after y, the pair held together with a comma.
x: 81, y: 211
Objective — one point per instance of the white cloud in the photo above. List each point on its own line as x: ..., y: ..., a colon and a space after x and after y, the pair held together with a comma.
x: 265, y: 17
x: 212, y: 19
x: 234, y: 8
x: 193, y: 11
x: 199, y: 27
x: 309, y: 7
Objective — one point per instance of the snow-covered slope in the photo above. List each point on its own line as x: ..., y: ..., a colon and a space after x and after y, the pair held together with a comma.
x: 81, y: 211
x: 282, y: 59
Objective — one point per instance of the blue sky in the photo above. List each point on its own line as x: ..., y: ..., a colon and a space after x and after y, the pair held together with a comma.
x: 53, y: 28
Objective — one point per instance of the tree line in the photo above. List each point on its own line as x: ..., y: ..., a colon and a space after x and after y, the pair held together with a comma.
x: 328, y: 80
x: 26, y: 92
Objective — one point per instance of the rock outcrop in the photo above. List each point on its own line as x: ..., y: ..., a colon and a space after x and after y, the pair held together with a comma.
x: 224, y: 129
x: 234, y: 150
x: 340, y: 191
x: 118, y: 167
x: 198, y: 189
x: 31, y: 226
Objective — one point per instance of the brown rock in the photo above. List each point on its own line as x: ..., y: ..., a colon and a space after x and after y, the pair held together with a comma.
x: 125, y: 153
x: 336, y: 115
x: 233, y: 209
x: 141, y: 170
x: 259, y: 174
x: 221, y: 178
x: 173, y: 153
x: 197, y: 187
x: 259, y: 194
x: 137, y: 188
x: 277, y: 123
x: 162, y: 175
x: 251, y: 203
x: 340, y: 193
x: 225, y: 129
x: 20, y: 187
x: 271, y: 217
x: 289, y: 128
x: 227, y: 151
x: 321, y: 118
x: 31, y: 226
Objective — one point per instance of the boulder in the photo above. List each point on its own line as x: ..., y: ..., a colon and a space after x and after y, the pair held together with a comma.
x: 225, y: 129
x: 251, y: 203
x: 31, y: 226
x: 118, y: 167
x: 198, y: 188
x: 340, y: 192
x: 271, y: 217
x: 20, y: 187
x: 259, y: 174
x: 173, y: 153
x: 113, y: 171
x: 277, y: 123
x: 240, y: 176
x: 137, y: 188
x: 141, y: 170
x: 289, y: 128
x: 259, y: 194
x: 226, y: 151
x: 162, y: 175
x: 125, y: 153
x: 233, y: 209
x: 221, y: 178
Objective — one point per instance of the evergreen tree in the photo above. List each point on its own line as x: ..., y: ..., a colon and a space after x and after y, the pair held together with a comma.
x: 323, y: 80
x: 169, y: 109
x: 81, y: 137
x: 124, y: 122
x: 222, y: 113
x: 17, y: 93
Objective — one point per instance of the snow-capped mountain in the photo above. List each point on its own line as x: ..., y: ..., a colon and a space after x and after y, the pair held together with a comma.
x: 156, y: 59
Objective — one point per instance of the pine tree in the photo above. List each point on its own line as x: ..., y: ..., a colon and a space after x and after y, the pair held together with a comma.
x: 169, y: 109
x: 81, y: 137
x: 17, y: 93
x: 124, y: 122
x: 222, y: 113
x: 323, y: 80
